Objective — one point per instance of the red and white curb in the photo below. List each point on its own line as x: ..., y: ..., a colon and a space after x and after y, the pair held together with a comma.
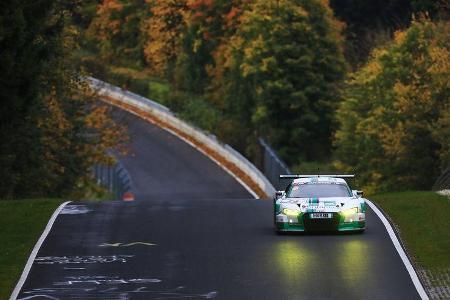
x: 128, y: 196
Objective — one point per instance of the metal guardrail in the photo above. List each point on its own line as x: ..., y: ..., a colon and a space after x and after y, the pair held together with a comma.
x: 273, y: 166
x: 114, y: 178
x: 443, y: 182
x: 165, y: 115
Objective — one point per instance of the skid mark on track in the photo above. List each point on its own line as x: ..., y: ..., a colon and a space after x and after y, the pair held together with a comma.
x: 117, y: 292
x: 50, y: 260
x: 75, y: 210
x: 111, y: 287
x: 109, y: 244
x: 98, y: 280
x: 126, y: 245
x: 40, y: 296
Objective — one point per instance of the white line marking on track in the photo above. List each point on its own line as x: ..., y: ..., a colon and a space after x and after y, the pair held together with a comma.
x: 401, y: 252
x: 35, y: 251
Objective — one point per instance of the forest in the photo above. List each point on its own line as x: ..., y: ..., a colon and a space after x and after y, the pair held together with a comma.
x: 340, y: 85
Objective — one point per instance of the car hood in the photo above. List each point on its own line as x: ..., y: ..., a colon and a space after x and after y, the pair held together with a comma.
x: 330, y: 204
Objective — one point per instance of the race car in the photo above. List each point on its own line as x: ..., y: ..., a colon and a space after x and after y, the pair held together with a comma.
x: 319, y: 203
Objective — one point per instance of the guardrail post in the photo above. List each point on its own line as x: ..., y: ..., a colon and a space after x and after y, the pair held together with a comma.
x: 115, y: 179
x: 273, y: 166
x: 443, y: 181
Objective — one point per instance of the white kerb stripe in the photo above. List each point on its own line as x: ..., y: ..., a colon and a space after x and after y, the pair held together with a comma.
x: 35, y: 251
x: 401, y: 252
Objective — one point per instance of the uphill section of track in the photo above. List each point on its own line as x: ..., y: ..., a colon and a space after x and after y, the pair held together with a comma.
x: 165, y: 167
x: 195, y: 233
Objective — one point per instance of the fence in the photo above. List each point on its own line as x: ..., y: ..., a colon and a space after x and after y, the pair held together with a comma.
x: 141, y: 105
x: 273, y: 166
x: 443, y: 182
x: 114, y: 178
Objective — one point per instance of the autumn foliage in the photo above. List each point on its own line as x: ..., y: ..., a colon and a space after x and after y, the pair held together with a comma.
x: 281, y: 75
x: 164, y: 33
x: 52, y: 128
x: 394, y: 120
x: 272, y: 68
x: 282, y: 70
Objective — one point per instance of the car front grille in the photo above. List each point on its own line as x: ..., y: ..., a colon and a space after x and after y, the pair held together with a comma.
x: 321, y: 224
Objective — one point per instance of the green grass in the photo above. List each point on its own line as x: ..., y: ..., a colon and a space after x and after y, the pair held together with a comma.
x: 424, y: 222
x: 21, y: 224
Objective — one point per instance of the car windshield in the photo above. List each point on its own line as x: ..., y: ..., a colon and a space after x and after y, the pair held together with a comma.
x: 318, y: 190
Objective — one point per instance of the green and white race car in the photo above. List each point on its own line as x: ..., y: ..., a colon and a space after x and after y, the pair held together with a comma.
x: 319, y: 203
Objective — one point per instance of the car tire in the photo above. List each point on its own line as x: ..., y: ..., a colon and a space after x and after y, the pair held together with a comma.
x: 278, y: 232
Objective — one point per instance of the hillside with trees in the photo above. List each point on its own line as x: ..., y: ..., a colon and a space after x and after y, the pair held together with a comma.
x: 269, y: 69
x: 394, y: 119
x: 357, y: 86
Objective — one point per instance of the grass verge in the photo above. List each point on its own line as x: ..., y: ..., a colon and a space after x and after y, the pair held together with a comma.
x: 423, y: 219
x: 21, y: 224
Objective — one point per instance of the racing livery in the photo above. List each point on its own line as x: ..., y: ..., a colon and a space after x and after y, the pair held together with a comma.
x: 319, y: 203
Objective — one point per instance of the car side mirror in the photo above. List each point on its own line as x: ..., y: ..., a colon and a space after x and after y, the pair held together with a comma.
x: 358, y: 194
x: 279, y: 194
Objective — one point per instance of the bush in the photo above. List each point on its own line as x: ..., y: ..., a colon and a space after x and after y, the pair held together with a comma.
x: 159, y: 92
x: 394, y: 120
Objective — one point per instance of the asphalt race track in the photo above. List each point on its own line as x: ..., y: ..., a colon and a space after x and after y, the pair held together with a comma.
x: 194, y: 233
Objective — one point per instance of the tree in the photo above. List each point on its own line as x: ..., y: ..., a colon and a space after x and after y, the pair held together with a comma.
x: 283, y: 70
x: 49, y: 142
x: 164, y: 32
x: 395, y: 114
x: 208, y: 25
x: 118, y: 30
x: 371, y: 23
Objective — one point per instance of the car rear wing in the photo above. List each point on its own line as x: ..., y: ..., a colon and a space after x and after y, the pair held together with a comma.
x: 317, y: 175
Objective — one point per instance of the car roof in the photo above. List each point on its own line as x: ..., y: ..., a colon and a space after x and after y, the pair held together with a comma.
x: 320, y: 179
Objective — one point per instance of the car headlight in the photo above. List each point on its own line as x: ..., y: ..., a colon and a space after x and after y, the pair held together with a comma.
x: 350, y: 211
x: 291, y: 212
